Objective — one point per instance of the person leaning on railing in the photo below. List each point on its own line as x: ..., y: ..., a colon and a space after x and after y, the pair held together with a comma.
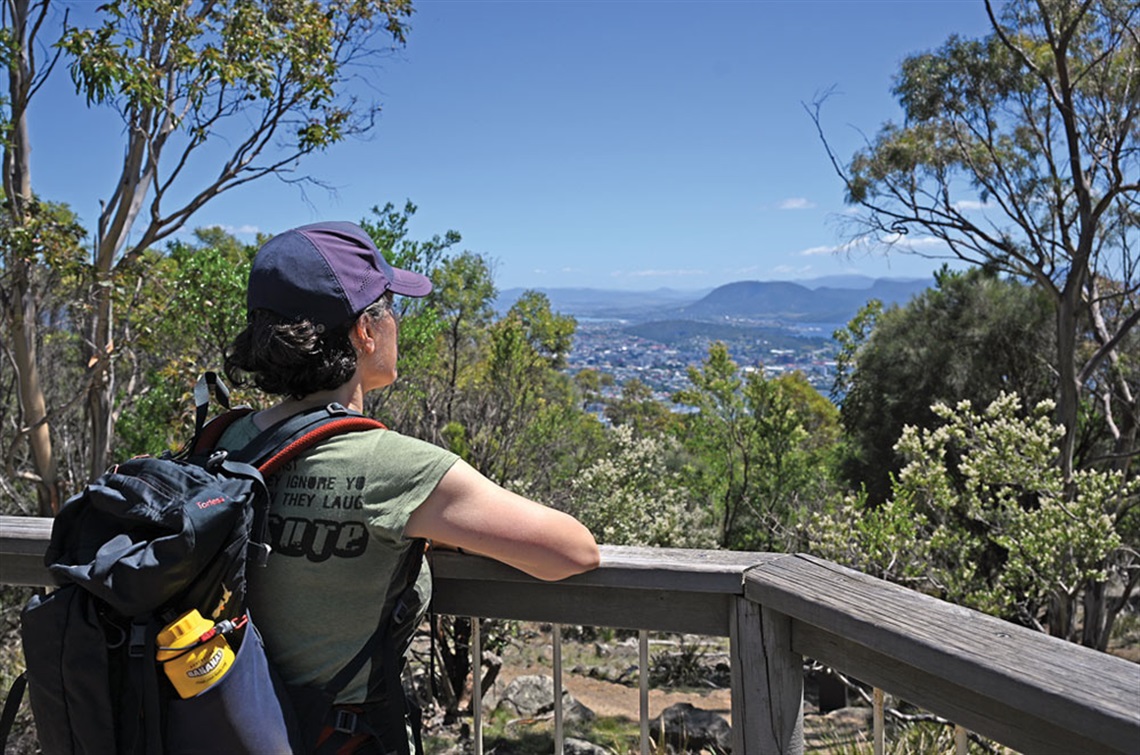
x: 321, y: 329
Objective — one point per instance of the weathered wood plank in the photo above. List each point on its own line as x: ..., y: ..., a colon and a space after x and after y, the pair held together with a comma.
x: 645, y: 568
x: 998, y: 719
x: 1055, y: 683
x: 767, y: 683
x: 23, y: 540
x: 569, y: 603
x: 1022, y: 688
x: 26, y: 535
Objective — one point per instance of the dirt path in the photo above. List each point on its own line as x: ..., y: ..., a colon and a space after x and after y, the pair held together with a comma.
x: 619, y: 700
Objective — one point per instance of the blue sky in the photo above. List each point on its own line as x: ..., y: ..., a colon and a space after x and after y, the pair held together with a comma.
x: 615, y: 144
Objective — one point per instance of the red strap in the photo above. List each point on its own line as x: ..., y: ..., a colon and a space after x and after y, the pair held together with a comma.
x: 313, y: 437
x: 213, y: 430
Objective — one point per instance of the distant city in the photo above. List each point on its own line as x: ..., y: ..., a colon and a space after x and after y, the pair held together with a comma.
x: 655, y: 336
x: 610, y: 347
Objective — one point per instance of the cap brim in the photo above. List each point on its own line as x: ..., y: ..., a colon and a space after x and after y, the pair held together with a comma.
x: 407, y: 283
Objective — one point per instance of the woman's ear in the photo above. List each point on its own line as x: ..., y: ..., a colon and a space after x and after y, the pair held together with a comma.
x: 362, y: 336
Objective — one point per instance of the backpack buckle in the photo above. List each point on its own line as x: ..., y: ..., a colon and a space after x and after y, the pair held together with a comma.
x: 137, y: 642
x: 216, y: 459
x: 336, y: 408
x: 345, y: 721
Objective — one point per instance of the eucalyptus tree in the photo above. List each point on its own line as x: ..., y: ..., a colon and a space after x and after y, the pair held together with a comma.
x: 972, y: 336
x: 1020, y: 152
x: 33, y: 239
x: 752, y: 458
x: 213, y: 95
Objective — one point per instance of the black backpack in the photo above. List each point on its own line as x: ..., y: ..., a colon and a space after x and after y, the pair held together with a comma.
x: 151, y: 539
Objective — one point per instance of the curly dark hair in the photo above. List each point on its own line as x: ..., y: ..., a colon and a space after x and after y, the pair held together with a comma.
x: 295, y: 357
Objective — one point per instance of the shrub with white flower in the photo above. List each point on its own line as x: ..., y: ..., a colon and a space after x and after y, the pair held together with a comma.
x: 633, y: 497
x: 982, y: 516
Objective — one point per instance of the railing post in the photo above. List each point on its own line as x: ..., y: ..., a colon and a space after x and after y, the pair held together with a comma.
x: 767, y: 682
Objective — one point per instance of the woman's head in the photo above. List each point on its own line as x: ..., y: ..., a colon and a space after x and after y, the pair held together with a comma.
x: 308, y: 288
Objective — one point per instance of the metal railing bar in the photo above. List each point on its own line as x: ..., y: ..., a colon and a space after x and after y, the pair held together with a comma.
x: 643, y: 686
x: 878, y: 725
x: 557, y: 641
x: 477, y: 682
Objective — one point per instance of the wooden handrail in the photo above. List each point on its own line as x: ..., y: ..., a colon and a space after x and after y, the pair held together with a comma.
x: 1029, y: 691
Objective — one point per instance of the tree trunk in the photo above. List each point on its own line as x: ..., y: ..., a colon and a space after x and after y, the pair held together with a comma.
x: 21, y: 302
x: 23, y: 314
x: 1068, y: 393
x: 1060, y: 617
x: 1095, y: 603
x: 101, y: 393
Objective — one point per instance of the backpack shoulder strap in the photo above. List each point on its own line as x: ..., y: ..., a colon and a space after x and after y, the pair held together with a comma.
x: 331, y: 427
x: 213, y: 430
x: 271, y: 449
x: 278, y: 444
x: 390, y: 718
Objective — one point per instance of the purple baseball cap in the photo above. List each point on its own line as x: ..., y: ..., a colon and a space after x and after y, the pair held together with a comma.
x: 325, y: 272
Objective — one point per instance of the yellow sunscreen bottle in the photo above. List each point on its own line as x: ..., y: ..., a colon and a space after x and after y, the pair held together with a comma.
x: 193, y: 665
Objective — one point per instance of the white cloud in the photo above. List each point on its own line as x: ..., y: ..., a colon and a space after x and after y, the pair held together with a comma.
x: 796, y: 203
x: 251, y: 230
x: 818, y: 250
x: 895, y: 241
x: 913, y: 242
x: 971, y: 204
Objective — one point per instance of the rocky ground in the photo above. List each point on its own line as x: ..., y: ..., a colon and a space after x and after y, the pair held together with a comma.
x: 690, y: 678
x: 600, y: 674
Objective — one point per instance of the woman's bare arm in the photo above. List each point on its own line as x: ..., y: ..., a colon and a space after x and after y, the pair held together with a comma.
x: 468, y: 511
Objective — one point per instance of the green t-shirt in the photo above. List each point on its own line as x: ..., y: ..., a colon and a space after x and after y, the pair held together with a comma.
x: 337, y: 521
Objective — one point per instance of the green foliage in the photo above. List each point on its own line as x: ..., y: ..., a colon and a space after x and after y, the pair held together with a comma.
x: 49, y: 235
x: 42, y: 275
x: 1018, y: 153
x: 636, y: 495
x: 636, y: 407
x: 186, y: 306
x: 206, y: 61
x: 252, y: 86
x: 752, y: 458
x: 851, y: 340
x: 462, y: 295
x: 158, y: 419
x: 980, y: 515
x: 971, y: 337
x: 549, y: 334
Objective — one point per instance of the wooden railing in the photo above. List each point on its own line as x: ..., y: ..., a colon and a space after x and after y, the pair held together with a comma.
x: 1028, y: 691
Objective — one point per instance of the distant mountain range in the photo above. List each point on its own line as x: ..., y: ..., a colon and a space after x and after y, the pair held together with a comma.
x: 606, y: 303
x: 792, y: 302
x: 831, y: 300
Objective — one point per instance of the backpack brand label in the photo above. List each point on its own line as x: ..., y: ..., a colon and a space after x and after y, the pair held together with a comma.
x: 210, y: 502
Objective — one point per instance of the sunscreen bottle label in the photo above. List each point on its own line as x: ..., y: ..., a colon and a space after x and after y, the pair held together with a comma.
x: 192, y: 664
